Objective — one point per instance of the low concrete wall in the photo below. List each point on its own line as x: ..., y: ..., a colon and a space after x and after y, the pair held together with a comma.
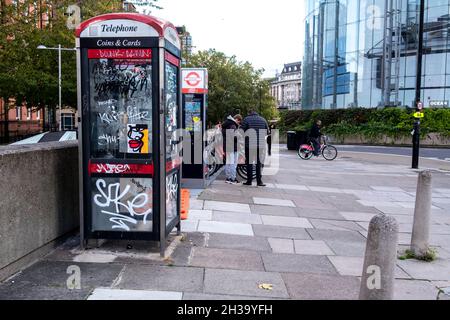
x: 38, y: 200
x: 430, y: 140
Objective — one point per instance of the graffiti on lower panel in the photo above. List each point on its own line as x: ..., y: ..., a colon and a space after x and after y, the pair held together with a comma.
x: 126, y: 203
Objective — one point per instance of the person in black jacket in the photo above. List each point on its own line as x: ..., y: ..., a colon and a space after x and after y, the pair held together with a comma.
x: 256, y: 129
x: 230, y: 148
x: 315, y: 135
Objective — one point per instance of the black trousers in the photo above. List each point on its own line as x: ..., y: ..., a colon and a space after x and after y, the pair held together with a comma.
x: 254, y: 157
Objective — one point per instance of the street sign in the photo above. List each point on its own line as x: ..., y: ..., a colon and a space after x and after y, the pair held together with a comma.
x: 194, y: 81
x: 419, y: 115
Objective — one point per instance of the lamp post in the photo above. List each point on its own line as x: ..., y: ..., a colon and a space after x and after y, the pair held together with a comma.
x: 417, y: 102
x: 60, y: 49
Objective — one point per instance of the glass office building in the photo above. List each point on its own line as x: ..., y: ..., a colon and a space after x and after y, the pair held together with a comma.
x: 362, y: 53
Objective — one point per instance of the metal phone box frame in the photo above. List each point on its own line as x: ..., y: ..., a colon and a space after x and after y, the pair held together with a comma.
x: 194, y: 89
x: 130, y: 155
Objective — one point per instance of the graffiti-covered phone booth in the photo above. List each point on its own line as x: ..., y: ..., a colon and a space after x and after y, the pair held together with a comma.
x: 194, y: 88
x: 128, y: 78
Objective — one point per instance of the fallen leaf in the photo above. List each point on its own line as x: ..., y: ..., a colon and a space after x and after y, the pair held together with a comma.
x: 266, y: 286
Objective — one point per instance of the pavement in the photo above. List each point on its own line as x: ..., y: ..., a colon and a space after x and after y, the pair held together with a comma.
x: 301, y: 237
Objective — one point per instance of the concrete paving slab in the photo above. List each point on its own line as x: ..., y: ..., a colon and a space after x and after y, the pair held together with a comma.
x: 395, y: 210
x: 226, y: 228
x: 292, y: 187
x: 227, y: 206
x: 277, y: 262
x: 47, y: 280
x: 189, y: 225
x: 319, y: 214
x: 377, y: 204
x: 282, y: 245
x: 26, y: 291
x: 273, y: 210
x: 436, y: 270
x: 228, y: 241
x: 226, y: 259
x: 335, y: 225
x: 199, y: 215
x: 294, y: 222
x: 308, y: 286
x: 236, y: 217
x: 196, y: 204
x: 349, y: 236
x: 364, y: 225
x: 280, y: 232
x: 353, y: 266
x: 387, y: 189
x: 414, y: 290
x: 348, y: 248
x: 93, y: 257
x: 235, y: 282
x: 214, y: 297
x: 324, y: 189
x: 311, y: 204
x: 273, y: 202
x: 107, y: 294
x: 408, y: 219
x: 312, y: 247
x: 161, y: 278
x: 358, y: 216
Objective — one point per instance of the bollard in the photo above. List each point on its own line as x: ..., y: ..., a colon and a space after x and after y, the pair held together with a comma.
x: 377, y: 282
x: 421, y: 228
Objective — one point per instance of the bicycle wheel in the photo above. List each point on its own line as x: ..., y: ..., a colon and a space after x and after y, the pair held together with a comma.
x: 242, y: 171
x: 330, y: 153
x: 305, y: 153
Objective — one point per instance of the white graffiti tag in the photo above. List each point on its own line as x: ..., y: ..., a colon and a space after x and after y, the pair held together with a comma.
x: 112, y: 168
x: 172, y: 188
x: 111, y: 195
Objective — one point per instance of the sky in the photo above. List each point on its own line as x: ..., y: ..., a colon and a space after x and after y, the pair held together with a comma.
x: 266, y: 33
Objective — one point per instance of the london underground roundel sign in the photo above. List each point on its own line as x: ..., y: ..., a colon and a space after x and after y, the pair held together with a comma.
x: 194, y: 80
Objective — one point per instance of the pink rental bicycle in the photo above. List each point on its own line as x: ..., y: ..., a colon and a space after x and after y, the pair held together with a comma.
x: 329, y: 152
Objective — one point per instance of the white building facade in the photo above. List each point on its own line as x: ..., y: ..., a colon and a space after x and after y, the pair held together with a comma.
x: 287, y: 87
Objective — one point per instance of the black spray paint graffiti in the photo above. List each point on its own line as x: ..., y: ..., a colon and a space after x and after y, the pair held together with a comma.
x: 112, y: 78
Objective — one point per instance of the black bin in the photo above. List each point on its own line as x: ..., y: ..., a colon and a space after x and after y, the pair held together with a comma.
x: 292, y: 140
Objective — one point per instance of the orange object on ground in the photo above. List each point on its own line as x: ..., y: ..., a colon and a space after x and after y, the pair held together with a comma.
x: 185, y: 196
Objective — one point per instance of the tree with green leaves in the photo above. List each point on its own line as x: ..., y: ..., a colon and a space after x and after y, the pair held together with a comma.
x: 234, y: 86
x: 29, y: 76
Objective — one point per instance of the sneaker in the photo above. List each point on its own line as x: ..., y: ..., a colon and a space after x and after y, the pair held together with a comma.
x: 261, y: 185
x: 247, y: 183
x: 228, y: 181
x: 236, y: 181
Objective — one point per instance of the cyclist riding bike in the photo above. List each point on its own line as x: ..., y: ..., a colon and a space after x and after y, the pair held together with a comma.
x: 315, y: 136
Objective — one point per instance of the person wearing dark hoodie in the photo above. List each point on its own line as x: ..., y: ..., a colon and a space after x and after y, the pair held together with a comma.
x: 230, y: 146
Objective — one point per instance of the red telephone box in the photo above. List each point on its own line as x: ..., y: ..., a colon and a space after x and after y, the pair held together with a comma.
x: 129, y: 98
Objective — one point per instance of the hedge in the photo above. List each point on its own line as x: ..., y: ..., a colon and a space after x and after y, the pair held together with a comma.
x: 371, y: 123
